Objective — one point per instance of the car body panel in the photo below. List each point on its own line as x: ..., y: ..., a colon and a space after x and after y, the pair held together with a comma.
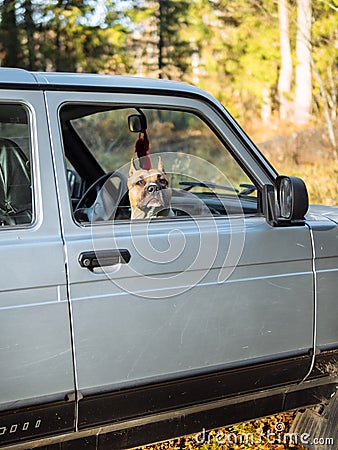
x: 167, y: 335
x: 168, y: 329
x: 323, y: 221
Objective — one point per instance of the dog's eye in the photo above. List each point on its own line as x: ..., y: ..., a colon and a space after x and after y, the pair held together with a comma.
x: 140, y: 183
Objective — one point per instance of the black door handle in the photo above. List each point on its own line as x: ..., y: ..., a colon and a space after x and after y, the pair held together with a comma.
x: 91, y: 260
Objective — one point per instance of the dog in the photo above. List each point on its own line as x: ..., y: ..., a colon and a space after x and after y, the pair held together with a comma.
x: 149, y: 194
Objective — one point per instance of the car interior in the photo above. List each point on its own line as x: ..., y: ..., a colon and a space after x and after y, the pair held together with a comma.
x: 15, y: 176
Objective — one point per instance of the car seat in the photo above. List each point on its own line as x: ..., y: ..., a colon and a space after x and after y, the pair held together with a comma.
x: 15, y: 185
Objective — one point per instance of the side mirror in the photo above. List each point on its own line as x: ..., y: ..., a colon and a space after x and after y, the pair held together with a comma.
x: 286, y: 203
x: 137, y: 123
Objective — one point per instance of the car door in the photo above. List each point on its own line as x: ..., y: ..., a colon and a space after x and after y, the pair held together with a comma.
x: 35, y: 340
x: 187, y: 309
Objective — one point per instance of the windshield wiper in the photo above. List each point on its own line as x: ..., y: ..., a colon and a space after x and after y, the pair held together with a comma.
x: 207, y: 184
x: 249, y: 189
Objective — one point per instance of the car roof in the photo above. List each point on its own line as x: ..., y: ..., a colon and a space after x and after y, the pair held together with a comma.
x: 23, y: 79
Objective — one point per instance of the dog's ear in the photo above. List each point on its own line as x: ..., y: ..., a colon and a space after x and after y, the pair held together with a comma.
x: 160, y: 164
x: 132, y: 168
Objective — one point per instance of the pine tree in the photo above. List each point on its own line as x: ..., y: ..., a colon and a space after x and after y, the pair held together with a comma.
x: 160, y: 36
x: 10, y: 45
x: 29, y: 27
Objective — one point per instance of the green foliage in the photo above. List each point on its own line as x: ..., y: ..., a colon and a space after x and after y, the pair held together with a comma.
x: 244, y: 52
x: 228, y: 48
x: 62, y: 35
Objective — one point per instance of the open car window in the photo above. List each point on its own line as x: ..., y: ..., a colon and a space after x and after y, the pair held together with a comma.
x: 201, y: 176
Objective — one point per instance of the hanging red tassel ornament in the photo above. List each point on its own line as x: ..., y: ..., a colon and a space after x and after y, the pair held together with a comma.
x: 142, y: 150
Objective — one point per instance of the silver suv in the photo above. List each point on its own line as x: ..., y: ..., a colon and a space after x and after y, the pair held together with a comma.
x: 120, y: 329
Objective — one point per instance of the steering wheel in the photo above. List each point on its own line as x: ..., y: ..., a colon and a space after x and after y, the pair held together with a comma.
x: 103, y: 198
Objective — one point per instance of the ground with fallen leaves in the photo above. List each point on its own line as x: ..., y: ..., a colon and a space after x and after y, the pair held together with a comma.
x: 270, y: 433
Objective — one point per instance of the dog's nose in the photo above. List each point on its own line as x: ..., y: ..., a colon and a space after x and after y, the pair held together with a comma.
x: 153, y: 187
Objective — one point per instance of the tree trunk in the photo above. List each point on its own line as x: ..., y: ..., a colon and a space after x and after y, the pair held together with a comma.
x: 161, y: 19
x: 285, y: 76
x: 303, y: 96
x: 329, y: 122
x: 30, y: 27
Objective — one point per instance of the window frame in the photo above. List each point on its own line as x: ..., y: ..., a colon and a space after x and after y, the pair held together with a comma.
x: 230, y: 138
x: 30, y: 154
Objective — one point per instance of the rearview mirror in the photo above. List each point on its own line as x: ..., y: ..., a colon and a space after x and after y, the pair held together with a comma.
x: 286, y: 203
x: 137, y: 123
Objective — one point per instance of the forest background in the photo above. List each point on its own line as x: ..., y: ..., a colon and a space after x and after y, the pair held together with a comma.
x: 272, y: 63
